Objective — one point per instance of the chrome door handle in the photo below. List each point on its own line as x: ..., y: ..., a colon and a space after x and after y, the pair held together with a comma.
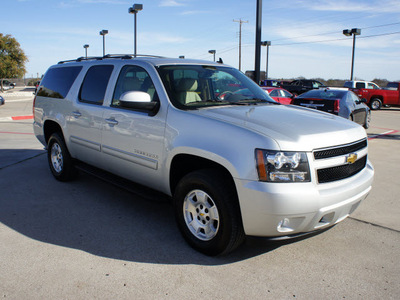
x: 76, y: 114
x: 112, y: 122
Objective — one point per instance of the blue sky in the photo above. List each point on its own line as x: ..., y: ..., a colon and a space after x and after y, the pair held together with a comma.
x: 306, y: 36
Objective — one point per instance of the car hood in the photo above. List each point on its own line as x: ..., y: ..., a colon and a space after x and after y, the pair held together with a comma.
x: 293, y: 128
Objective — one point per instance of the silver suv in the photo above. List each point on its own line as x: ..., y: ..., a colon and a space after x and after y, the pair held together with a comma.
x: 234, y: 161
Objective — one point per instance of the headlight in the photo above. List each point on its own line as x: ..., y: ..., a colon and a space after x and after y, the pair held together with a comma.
x: 279, y: 166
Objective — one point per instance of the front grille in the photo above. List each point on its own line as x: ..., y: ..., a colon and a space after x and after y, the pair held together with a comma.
x: 341, y: 172
x: 343, y: 150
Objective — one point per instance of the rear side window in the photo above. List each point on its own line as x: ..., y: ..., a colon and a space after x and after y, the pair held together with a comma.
x: 58, y: 81
x: 94, y: 85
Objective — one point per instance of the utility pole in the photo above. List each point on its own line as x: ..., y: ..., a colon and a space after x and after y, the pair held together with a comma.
x: 258, y: 42
x: 240, y: 40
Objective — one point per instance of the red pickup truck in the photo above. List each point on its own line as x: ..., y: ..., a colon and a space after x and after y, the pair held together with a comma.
x: 387, y: 96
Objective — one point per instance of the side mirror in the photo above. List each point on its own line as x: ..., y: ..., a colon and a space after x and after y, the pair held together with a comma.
x: 139, y: 101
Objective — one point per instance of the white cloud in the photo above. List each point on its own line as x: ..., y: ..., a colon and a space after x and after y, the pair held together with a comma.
x: 171, y: 3
x: 353, y: 6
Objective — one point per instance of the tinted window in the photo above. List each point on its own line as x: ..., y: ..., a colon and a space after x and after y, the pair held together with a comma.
x: 57, y: 82
x: 360, y: 85
x: 274, y: 93
x: 348, y: 84
x: 323, y: 94
x: 95, y: 84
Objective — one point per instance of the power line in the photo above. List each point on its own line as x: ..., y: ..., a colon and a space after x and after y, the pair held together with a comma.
x: 333, y: 40
x: 334, y: 32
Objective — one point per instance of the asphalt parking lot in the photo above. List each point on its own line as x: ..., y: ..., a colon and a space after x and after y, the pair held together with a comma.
x: 88, y: 239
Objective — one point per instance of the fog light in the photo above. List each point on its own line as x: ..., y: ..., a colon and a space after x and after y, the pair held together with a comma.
x: 284, y: 226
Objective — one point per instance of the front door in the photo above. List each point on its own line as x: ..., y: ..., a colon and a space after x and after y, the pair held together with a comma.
x: 133, y: 141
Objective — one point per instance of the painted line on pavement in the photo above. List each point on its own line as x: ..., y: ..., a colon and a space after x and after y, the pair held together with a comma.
x: 17, y: 118
x: 376, y: 136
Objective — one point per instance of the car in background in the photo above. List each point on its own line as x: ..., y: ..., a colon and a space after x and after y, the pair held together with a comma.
x: 2, y: 101
x: 37, y: 84
x: 300, y: 86
x: 278, y: 94
x: 343, y: 103
x: 270, y: 82
x: 357, y: 84
x: 8, y: 85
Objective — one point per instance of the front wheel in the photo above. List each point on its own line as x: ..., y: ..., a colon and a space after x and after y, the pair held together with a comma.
x: 367, y: 120
x: 207, y: 212
x: 60, y: 161
x: 376, y: 104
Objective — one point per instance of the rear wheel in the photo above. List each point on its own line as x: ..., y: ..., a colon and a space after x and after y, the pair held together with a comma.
x: 376, y: 104
x: 207, y: 212
x: 59, y: 159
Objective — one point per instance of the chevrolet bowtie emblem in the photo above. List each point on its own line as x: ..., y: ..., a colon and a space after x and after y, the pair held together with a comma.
x: 351, y: 158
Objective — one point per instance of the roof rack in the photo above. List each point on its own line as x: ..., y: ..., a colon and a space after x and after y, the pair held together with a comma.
x: 107, y: 56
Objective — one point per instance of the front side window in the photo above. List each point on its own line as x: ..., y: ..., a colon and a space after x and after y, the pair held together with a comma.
x: 58, y: 81
x: 133, y: 78
x: 372, y: 86
x: 197, y: 86
x: 286, y: 94
x: 94, y: 85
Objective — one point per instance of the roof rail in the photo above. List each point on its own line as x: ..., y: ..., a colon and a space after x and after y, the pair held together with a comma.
x: 107, y: 56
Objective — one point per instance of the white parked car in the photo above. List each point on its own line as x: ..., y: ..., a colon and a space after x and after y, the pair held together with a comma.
x: 237, y: 166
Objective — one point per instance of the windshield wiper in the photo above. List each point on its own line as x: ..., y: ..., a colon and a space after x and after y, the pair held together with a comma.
x: 255, y: 101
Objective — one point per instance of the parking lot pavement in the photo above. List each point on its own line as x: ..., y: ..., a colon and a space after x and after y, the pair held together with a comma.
x: 89, y: 239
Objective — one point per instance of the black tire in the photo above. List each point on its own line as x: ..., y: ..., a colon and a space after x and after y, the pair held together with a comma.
x: 367, y: 120
x: 376, y: 104
x: 59, y: 159
x: 206, y: 201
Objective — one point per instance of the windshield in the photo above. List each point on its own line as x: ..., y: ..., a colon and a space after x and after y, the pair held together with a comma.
x: 323, y: 94
x: 197, y: 86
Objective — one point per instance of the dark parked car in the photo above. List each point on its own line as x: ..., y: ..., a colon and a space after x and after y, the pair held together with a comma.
x: 340, y: 102
x: 300, y: 86
x: 2, y: 101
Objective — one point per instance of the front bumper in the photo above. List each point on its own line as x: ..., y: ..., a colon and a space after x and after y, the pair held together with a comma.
x: 282, y: 209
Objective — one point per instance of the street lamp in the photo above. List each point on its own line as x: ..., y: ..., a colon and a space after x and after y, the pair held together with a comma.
x: 212, y: 52
x: 134, y: 10
x: 266, y: 43
x: 103, y: 33
x: 86, y: 46
x: 353, y: 32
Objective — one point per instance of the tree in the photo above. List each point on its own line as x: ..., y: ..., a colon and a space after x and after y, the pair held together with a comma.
x: 12, y: 58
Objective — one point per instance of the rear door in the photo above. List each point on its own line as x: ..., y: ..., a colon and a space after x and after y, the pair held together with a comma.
x: 86, y: 118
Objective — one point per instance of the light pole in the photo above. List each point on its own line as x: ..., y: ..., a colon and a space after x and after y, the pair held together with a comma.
x: 103, y: 33
x: 86, y: 46
x: 212, y: 52
x: 134, y: 10
x: 353, y: 32
x: 266, y: 43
